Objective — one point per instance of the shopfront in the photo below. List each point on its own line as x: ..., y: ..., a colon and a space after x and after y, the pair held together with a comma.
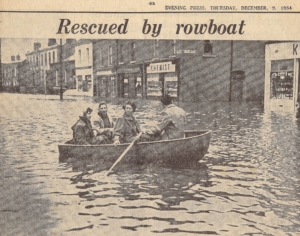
x: 161, y: 79
x: 84, y: 81
x: 130, y: 82
x: 106, y: 84
x: 282, y: 76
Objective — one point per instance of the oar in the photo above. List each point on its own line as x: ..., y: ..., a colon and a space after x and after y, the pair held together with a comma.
x: 124, y: 153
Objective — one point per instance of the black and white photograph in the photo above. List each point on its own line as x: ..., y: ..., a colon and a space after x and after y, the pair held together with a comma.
x: 103, y: 132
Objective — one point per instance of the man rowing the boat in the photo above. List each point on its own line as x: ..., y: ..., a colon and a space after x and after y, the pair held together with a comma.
x: 171, y: 122
x: 83, y: 131
x: 103, y: 125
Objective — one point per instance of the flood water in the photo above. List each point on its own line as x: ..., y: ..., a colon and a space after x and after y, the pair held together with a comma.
x: 248, y: 183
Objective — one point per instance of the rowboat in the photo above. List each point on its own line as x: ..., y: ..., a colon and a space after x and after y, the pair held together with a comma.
x: 184, y: 152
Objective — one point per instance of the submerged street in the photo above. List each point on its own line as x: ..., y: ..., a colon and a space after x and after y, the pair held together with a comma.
x: 247, y: 184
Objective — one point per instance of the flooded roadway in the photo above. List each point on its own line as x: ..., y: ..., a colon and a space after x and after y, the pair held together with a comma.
x: 248, y: 183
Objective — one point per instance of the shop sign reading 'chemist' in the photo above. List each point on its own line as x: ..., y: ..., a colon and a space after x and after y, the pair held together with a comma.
x: 162, y: 67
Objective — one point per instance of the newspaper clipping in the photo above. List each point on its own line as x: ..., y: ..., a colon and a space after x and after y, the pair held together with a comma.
x: 150, y: 118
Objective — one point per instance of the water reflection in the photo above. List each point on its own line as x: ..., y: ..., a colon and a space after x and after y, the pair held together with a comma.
x: 247, y: 184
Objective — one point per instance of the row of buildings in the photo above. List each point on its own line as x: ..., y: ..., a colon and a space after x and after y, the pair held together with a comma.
x: 188, y: 70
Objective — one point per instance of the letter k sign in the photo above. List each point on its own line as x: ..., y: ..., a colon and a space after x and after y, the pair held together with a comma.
x: 295, y: 46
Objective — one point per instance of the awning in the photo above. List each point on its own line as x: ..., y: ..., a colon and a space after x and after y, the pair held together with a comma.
x: 129, y: 70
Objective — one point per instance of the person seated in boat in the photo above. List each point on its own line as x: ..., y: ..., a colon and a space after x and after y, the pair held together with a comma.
x: 103, y: 124
x: 83, y: 132
x: 127, y: 127
x: 171, y: 122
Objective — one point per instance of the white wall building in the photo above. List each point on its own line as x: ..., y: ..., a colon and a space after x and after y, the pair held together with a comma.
x: 282, y: 76
x: 84, y: 67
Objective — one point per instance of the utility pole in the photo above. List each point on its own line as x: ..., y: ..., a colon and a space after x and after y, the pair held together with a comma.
x: 61, y: 71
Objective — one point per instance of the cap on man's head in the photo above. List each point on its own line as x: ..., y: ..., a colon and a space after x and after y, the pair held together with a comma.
x: 166, y: 100
x: 88, y: 111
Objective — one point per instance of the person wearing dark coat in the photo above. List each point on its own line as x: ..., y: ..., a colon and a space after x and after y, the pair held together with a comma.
x: 127, y: 127
x: 83, y: 132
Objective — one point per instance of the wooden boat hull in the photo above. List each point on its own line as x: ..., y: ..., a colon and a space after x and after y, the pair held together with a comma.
x: 183, y: 152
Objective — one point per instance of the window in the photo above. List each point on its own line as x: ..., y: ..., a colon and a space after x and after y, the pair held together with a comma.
x: 101, y: 57
x: 56, y: 78
x: 208, y: 48
x: 133, y: 47
x: 79, y: 55
x: 110, y: 55
x: 66, y: 75
x: 121, y: 53
x: 155, y: 47
x: 37, y: 60
x: 49, y: 58
x: 45, y: 59
x: 53, y: 56
x: 42, y: 58
x: 88, y: 55
x: 281, y: 79
x: 174, y: 46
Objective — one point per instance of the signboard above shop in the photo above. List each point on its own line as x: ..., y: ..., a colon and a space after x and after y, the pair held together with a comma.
x: 162, y: 67
x: 284, y: 50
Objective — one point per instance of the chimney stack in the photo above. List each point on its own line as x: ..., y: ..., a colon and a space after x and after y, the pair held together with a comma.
x: 18, y: 58
x: 51, y: 42
x: 70, y: 41
x: 13, y: 58
x: 37, y: 46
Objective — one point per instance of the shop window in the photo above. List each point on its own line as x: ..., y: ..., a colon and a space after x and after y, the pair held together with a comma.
x: 112, y: 90
x: 133, y: 48
x: 80, y: 84
x: 154, y: 85
x: 126, y: 87
x: 282, y: 77
x: 138, y: 86
x: 171, y: 86
x: 87, y: 83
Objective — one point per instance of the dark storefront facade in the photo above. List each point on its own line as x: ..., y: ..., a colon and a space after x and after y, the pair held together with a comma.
x: 162, y: 79
x: 187, y: 70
